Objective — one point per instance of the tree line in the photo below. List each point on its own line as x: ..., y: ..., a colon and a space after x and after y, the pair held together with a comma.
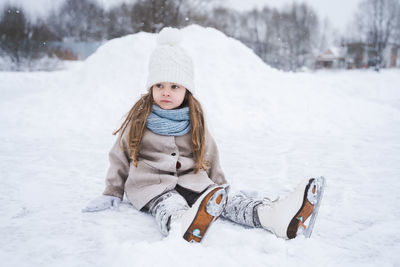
x: 288, y: 38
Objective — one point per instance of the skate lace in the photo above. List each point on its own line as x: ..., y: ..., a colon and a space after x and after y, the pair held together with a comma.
x: 269, y: 202
x: 177, y: 216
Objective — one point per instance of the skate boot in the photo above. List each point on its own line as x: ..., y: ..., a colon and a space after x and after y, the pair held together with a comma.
x: 296, y: 214
x: 208, y: 207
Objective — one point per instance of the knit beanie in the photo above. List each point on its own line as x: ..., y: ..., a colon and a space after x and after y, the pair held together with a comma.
x: 169, y: 62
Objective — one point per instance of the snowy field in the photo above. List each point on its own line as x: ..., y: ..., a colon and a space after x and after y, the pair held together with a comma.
x: 273, y: 129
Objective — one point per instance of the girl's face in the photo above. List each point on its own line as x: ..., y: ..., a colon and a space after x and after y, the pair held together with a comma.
x: 168, y: 95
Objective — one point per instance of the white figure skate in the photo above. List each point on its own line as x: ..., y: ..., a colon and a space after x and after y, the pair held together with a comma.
x: 296, y: 214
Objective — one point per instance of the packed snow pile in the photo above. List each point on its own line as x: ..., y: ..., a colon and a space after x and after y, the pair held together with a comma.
x: 273, y: 129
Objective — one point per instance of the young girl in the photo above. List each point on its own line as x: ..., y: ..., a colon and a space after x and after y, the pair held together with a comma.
x: 167, y: 164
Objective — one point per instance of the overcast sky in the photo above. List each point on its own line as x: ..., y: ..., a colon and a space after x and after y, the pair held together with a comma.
x: 339, y: 12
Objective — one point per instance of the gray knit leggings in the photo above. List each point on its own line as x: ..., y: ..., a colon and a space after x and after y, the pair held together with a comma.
x: 239, y: 208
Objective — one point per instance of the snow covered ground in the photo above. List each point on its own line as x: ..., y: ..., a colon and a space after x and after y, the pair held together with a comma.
x: 273, y: 129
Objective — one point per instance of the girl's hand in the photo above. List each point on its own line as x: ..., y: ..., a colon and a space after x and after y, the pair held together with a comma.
x: 103, y: 202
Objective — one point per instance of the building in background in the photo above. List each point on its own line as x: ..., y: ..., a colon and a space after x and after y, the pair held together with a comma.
x: 362, y: 55
x: 80, y: 50
x: 330, y: 59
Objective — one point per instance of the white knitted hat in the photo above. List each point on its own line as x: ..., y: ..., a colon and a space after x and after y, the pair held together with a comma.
x: 169, y: 62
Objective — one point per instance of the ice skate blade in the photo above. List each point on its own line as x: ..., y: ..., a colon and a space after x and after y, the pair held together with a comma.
x: 209, y: 209
x: 321, y: 186
x: 304, y: 220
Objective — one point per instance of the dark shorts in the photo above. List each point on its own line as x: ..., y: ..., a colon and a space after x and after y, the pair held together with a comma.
x: 189, y: 195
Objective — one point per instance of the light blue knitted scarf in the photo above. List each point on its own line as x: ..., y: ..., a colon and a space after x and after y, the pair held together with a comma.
x: 174, y: 122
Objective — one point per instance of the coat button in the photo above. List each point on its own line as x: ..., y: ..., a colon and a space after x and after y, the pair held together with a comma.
x: 173, y: 154
x: 178, y: 164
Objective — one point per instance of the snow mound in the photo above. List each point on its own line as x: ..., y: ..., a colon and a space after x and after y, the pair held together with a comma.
x: 114, y: 77
x: 125, y: 59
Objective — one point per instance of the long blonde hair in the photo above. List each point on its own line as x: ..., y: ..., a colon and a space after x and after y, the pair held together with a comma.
x: 136, y: 119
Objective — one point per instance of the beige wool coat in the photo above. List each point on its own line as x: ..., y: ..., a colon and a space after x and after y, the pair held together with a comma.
x: 164, y: 162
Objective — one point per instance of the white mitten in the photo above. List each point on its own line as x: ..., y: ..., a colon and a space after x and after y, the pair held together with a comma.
x: 102, y: 202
